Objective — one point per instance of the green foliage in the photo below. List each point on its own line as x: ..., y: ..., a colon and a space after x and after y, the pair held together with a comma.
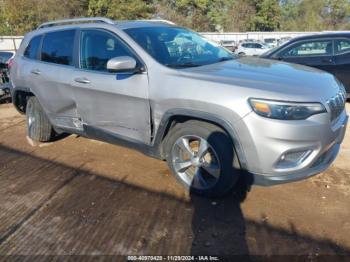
x: 20, y: 16
x: 121, y: 9
x: 336, y: 14
x: 268, y: 15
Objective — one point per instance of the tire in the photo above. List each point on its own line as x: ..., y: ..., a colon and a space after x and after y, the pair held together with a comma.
x: 39, y: 127
x: 213, y: 174
x: 241, y: 54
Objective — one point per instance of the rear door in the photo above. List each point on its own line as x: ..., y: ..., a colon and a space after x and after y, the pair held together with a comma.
x: 316, y: 53
x: 342, y: 61
x: 113, y: 103
x: 51, y: 77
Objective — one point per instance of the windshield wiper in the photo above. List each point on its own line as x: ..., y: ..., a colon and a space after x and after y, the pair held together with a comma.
x: 188, y: 64
x: 222, y: 59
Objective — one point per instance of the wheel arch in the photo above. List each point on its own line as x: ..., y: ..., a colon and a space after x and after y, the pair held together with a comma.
x: 20, y: 98
x: 172, y: 117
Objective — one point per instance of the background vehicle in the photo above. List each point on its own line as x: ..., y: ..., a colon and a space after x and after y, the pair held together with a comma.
x: 251, y: 49
x: 283, y: 40
x: 5, y: 92
x: 5, y: 56
x: 326, y: 51
x: 172, y: 94
x: 229, y: 44
x: 271, y: 42
x: 5, y: 62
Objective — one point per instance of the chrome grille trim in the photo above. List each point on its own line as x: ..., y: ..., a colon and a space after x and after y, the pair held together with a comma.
x: 337, y: 104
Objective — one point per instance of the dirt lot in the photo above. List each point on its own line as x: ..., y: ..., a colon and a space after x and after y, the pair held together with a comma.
x: 83, y: 197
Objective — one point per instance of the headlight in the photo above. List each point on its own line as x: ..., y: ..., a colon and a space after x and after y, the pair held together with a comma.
x: 286, y: 110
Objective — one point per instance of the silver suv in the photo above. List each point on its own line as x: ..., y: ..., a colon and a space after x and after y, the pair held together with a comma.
x: 169, y: 92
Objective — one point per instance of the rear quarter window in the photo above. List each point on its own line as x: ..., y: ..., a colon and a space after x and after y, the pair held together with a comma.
x: 58, y: 47
x: 33, y: 48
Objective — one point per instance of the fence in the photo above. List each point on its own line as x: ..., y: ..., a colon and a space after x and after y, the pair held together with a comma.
x: 10, y: 43
x: 217, y: 37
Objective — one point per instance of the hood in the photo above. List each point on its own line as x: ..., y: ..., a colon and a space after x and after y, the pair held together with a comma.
x: 272, y: 78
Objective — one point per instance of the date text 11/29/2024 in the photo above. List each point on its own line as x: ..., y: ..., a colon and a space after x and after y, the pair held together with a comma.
x: 173, y: 258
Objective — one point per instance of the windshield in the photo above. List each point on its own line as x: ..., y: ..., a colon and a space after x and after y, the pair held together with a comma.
x: 178, y: 47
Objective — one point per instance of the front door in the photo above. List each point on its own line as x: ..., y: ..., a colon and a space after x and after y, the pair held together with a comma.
x: 115, y: 103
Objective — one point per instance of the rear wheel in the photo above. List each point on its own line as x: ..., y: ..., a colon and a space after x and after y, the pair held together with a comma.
x: 39, y: 127
x: 201, y: 156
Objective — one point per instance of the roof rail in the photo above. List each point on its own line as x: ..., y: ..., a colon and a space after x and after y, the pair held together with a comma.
x: 77, y: 21
x: 159, y: 20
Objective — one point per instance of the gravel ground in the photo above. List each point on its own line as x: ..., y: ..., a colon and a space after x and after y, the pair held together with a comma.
x: 82, y: 197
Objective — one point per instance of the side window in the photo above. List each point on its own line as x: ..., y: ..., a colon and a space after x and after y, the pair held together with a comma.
x: 33, y: 48
x: 259, y: 46
x: 97, y: 47
x: 342, y: 46
x: 312, y: 48
x: 58, y: 47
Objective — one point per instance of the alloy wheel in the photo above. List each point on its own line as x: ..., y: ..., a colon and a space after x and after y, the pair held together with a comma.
x: 195, y: 162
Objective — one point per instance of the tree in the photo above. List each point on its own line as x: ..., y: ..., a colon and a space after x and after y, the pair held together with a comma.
x: 336, y: 14
x: 289, y: 15
x: 121, y: 9
x: 21, y: 16
x: 268, y: 15
x: 239, y: 17
x: 191, y: 13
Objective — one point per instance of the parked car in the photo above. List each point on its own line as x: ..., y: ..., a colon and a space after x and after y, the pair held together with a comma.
x: 251, y: 49
x: 326, y: 51
x: 5, y: 92
x: 5, y: 63
x: 228, y: 44
x: 172, y: 94
x: 248, y: 40
x: 271, y: 42
x: 5, y: 56
x: 283, y: 40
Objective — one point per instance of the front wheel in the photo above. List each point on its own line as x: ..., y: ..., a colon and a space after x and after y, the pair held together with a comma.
x: 201, y: 157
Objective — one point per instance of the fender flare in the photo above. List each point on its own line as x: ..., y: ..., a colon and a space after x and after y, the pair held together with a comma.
x: 200, y: 115
x: 14, y: 92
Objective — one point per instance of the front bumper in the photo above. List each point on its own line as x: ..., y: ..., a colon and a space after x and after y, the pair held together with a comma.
x: 265, y: 141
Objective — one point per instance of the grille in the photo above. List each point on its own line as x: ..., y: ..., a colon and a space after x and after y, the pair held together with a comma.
x: 337, y: 104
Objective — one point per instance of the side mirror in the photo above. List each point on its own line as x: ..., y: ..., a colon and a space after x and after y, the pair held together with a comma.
x: 121, y: 64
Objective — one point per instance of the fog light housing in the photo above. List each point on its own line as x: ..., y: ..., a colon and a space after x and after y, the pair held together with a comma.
x: 293, y: 158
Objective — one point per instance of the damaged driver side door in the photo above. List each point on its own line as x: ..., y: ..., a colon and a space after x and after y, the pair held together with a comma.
x: 114, y: 104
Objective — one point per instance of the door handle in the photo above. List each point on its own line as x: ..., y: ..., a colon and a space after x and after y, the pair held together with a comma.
x: 35, y: 72
x: 82, y: 80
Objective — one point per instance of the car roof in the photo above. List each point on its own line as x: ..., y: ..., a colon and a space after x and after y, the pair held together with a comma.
x: 128, y: 24
x: 322, y: 35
